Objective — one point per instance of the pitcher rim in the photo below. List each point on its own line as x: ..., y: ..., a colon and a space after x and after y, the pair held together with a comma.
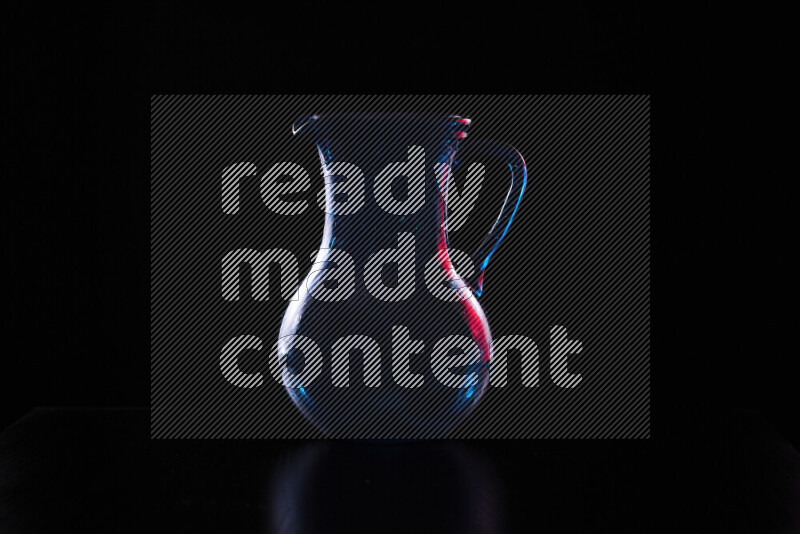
x: 456, y: 120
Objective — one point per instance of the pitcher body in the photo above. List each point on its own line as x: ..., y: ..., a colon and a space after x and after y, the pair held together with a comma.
x: 384, y: 338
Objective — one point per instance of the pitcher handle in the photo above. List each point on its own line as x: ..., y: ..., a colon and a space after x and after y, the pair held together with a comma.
x: 519, y: 177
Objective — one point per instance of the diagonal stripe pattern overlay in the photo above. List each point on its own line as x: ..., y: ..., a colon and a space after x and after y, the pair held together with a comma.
x: 573, y: 269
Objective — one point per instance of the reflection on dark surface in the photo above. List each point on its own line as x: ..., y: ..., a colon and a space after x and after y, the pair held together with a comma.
x: 438, y: 486
x: 97, y: 471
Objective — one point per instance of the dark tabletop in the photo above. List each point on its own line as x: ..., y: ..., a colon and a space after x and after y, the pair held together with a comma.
x: 98, y: 471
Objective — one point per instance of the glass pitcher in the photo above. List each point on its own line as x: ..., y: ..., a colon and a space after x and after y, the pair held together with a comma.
x: 384, y: 339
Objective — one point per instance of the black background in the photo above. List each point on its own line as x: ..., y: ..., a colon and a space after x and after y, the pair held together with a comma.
x: 77, y: 179
x: 81, y: 119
